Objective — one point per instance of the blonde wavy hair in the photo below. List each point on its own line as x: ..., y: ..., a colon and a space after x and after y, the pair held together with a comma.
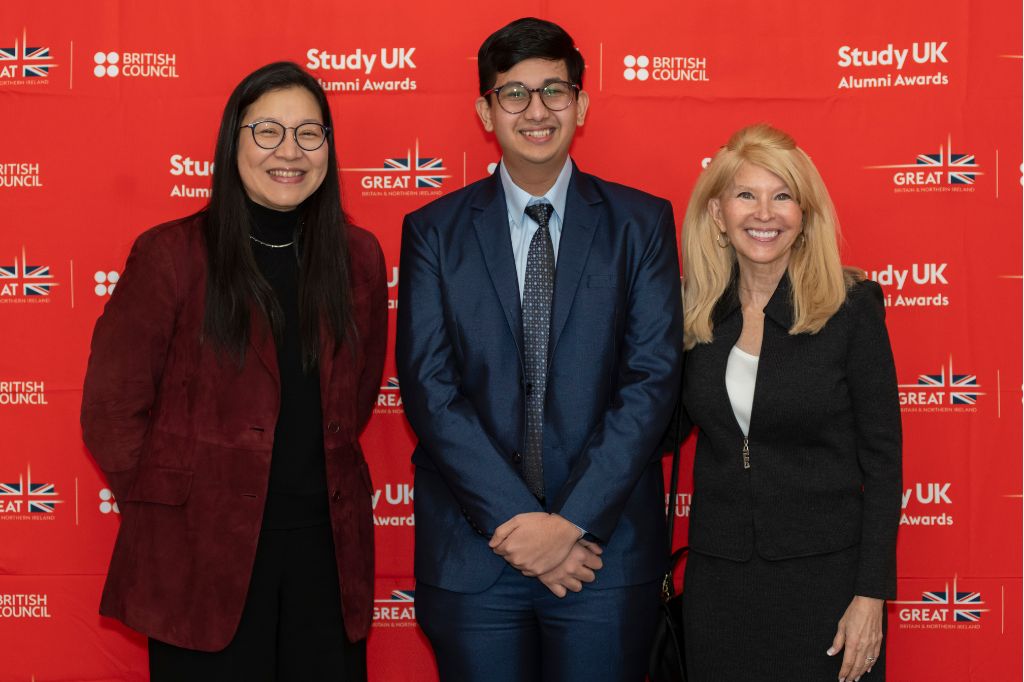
x: 819, y: 280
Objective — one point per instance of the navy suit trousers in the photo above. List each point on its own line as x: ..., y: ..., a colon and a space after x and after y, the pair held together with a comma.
x: 518, y: 631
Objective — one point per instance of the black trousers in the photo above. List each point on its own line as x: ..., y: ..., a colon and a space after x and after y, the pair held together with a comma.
x: 291, y: 627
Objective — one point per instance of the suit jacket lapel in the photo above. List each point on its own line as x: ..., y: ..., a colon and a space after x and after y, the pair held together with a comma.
x: 780, y: 306
x: 492, y: 230
x: 578, y: 226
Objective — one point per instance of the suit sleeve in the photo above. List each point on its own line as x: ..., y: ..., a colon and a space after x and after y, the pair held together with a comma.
x: 622, y: 446
x: 126, y: 361
x: 374, y: 342
x: 871, y: 376
x: 482, y: 480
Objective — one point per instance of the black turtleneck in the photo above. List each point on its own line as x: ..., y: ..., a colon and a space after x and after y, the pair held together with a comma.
x: 297, y: 494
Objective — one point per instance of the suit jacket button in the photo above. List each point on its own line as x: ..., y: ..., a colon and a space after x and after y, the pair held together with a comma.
x: 516, y: 457
x: 333, y: 427
x: 529, y: 389
x: 336, y: 495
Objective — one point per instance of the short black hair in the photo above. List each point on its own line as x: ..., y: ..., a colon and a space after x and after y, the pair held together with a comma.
x: 523, y: 39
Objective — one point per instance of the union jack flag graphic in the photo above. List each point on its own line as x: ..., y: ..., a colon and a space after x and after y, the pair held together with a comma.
x: 429, y: 165
x: 408, y: 596
x: 41, y: 497
x: 963, y: 603
x: 427, y: 171
x: 36, y: 52
x: 425, y: 168
x: 947, y: 158
x: 35, y: 280
x: 968, y: 381
x: 31, y: 54
x: 960, y: 169
x: 390, y: 385
x: 965, y: 606
x: 396, y: 164
x: 35, y: 70
x: 930, y: 380
x: 967, y: 613
x: 44, y: 505
x: 8, y: 489
x: 962, y: 387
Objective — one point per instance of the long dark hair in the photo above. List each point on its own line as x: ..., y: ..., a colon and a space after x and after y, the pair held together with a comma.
x: 234, y: 283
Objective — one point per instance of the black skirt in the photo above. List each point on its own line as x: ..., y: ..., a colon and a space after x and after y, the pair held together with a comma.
x: 768, y: 620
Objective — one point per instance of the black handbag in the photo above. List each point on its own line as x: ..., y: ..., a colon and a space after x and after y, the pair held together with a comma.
x: 667, y: 662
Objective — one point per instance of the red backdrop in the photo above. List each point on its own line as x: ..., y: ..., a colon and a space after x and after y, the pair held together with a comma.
x: 911, y: 110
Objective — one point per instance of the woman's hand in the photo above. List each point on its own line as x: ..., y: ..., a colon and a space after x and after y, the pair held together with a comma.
x: 860, y: 633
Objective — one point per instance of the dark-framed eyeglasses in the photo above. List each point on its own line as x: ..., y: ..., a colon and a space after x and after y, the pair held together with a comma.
x: 515, y: 97
x: 270, y: 134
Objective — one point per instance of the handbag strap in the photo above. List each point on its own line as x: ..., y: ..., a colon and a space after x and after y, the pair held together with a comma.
x: 674, y: 485
x: 668, y: 589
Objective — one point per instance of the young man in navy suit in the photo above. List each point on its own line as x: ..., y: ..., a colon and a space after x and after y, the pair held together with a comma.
x: 539, y: 349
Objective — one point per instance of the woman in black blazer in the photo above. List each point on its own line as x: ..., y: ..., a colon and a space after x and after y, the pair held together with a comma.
x: 789, y: 378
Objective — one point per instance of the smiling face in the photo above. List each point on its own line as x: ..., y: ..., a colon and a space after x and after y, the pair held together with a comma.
x: 284, y: 177
x: 535, y: 142
x: 759, y: 216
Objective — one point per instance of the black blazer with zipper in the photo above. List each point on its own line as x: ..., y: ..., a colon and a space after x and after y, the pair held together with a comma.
x: 824, y: 444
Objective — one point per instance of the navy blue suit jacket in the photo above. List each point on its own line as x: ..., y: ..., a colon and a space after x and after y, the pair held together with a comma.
x: 615, y: 356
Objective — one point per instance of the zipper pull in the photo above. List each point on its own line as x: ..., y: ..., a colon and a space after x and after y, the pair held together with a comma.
x: 746, y: 453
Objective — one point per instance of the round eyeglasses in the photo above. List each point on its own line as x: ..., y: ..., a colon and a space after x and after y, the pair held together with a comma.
x: 515, y: 98
x: 270, y: 134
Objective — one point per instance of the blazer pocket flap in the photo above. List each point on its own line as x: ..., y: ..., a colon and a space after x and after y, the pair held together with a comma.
x: 600, y: 281
x: 162, y: 486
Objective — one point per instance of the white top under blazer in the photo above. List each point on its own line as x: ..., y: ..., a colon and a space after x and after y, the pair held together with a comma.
x: 740, y: 377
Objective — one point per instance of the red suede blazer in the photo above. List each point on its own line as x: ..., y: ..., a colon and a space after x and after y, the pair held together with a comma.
x: 184, y: 438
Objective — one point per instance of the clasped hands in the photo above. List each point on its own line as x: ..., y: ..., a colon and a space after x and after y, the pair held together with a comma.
x: 549, y: 548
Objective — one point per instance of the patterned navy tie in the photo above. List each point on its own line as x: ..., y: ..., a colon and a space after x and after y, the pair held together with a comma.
x: 537, y: 291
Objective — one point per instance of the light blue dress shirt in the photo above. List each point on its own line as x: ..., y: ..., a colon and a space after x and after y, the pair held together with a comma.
x: 522, y: 227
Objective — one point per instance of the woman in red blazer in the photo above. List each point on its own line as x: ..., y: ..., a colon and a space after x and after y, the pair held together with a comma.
x: 230, y: 376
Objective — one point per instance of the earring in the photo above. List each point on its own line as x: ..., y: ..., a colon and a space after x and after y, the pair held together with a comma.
x: 722, y: 240
x: 802, y: 240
